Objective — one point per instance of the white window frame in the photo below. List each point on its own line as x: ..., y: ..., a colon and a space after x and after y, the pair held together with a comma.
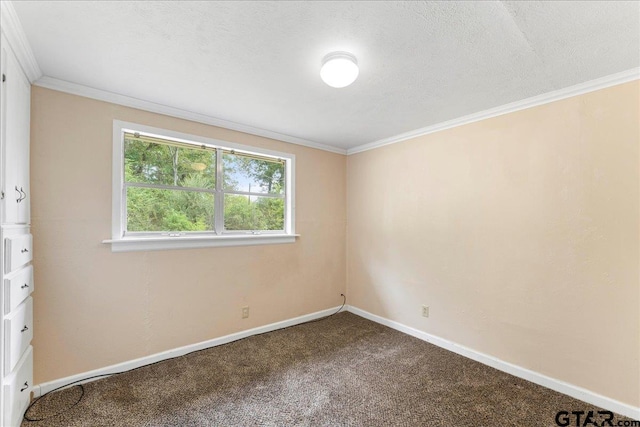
x: 121, y: 242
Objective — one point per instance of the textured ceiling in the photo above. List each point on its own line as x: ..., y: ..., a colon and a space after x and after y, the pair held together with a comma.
x: 257, y: 63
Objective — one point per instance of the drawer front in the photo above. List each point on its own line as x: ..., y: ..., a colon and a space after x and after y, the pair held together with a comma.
x: 17, y: 288
x: 18, y: 251
x: 17, y: 390
x: 18, y: 332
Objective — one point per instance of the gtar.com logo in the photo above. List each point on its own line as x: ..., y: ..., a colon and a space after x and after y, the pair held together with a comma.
x: 591, y: 418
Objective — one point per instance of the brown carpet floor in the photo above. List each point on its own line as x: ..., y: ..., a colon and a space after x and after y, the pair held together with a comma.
x: 341, y: 371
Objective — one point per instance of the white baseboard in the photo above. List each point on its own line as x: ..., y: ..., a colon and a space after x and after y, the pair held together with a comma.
x: 535, y: 377
x: 40, y: 389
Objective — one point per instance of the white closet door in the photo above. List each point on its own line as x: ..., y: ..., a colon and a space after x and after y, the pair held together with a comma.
x: 16, y: 110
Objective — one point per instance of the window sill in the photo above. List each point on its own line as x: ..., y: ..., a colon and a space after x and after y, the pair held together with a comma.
x: 131, y: 244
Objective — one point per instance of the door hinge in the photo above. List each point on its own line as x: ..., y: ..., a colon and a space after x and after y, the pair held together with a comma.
x: 1, y: 195
x: 4, y: 77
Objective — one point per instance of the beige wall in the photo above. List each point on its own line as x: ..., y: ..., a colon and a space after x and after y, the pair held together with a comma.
x: 520, y: 232
x: 94, y: 308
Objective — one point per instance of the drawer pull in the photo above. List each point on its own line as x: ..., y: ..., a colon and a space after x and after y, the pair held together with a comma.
x: 24, y: 250
x: 24, y: 286
x: 19, y: 199
x: 26, y: 386
x: 26, y: 328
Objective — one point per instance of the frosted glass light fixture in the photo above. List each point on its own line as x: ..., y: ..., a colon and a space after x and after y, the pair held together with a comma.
x: 339, y: 69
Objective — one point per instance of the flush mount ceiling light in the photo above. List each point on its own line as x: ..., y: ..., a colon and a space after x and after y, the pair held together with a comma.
x: 339, y: 69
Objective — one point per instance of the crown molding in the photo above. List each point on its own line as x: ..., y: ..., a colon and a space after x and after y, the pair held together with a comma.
x: 579, y: 89
x: 114, y: 98
x: 127, y: 101
x: 13, y: 31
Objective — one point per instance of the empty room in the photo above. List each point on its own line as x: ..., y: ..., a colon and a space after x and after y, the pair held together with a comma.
x: 320, y: 213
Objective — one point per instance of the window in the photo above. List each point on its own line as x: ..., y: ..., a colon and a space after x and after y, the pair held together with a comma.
x: 174, y: 190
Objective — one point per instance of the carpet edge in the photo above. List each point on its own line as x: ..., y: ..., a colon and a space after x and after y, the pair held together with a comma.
x: 40, y: 389
x: 554, y: 384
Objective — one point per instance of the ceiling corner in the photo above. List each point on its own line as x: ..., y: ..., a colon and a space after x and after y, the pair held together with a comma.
x: 13, y: 31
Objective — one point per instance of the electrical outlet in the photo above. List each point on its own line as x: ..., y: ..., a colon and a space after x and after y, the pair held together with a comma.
x: 425, y: 311
x: 245, y: 312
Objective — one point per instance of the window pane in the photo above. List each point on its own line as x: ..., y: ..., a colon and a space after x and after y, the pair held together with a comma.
x: 244, y: 173
x: 152, y: 209
x: 253, y: 213
x: 152, y: 163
